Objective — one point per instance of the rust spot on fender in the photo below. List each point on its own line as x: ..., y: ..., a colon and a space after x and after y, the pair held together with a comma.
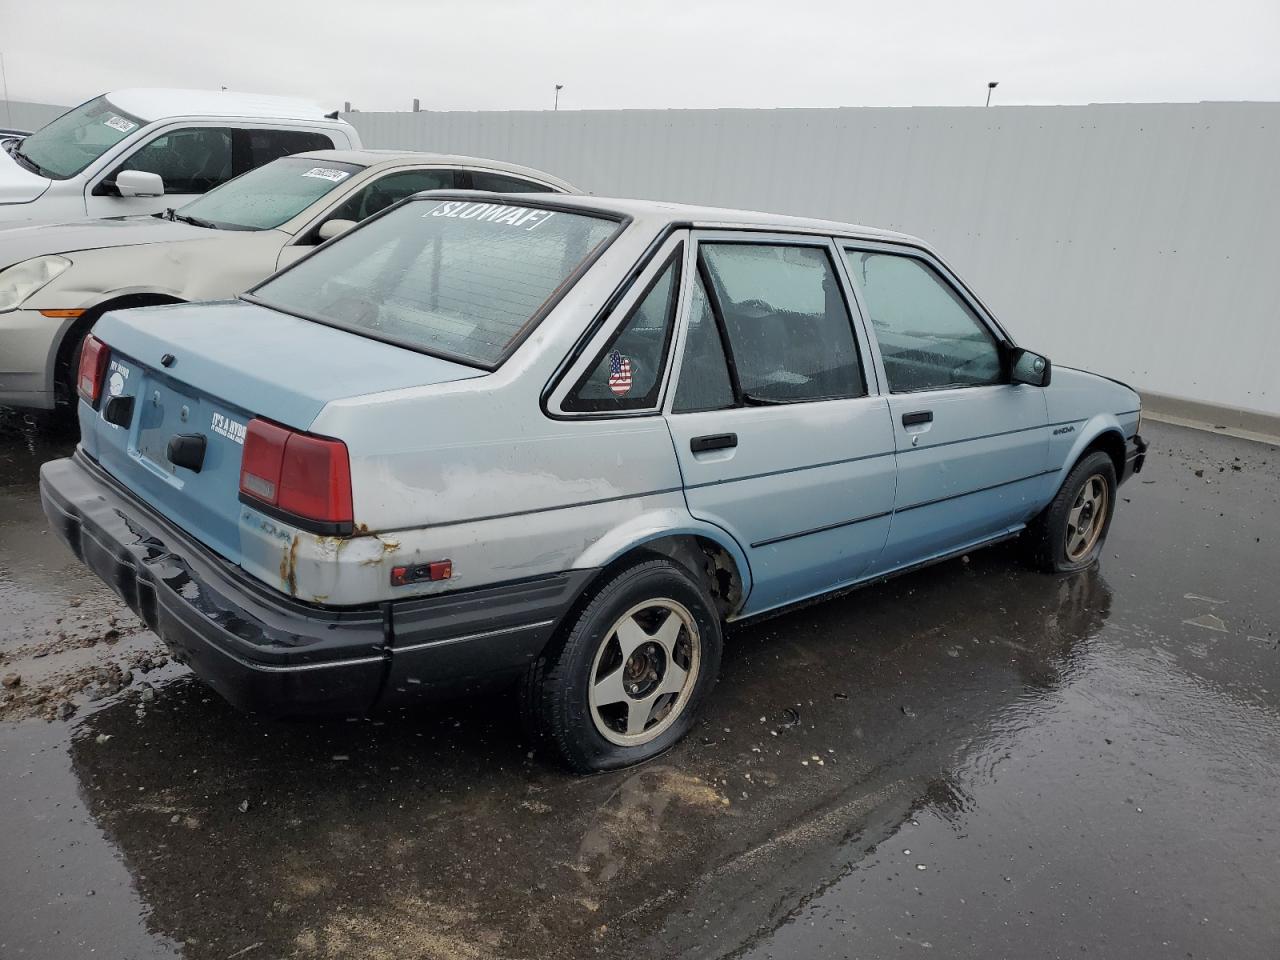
x: 288, y: 566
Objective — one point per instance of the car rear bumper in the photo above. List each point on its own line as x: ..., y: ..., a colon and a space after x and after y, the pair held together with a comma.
x: 269, y: 653
x: 1135, y: 455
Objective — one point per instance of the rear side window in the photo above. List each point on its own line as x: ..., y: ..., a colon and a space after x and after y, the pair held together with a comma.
x: 500, y: 183
x: 267, y: 145
x: 191, y: 160
x: 455, y: 278
x: 929, y: 338
x: 789, y: 330
x: 627, y: 375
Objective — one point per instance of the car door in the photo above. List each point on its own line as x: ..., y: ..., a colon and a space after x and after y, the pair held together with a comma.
x: 972, y: 447
x: 781, y: 439
x: 366, y: 199
x: 192, y: 160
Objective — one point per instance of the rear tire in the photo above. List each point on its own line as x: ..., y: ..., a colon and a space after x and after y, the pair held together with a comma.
x: 1070, y: 533
x: 631, y: 673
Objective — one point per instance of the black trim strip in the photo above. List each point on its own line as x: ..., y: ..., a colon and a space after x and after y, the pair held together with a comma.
x: 525, y: 513
x: 829, y: 526
x: 325, y: 528
x: 968, y: 493
x: 989, y: 436
x: 786, y: 470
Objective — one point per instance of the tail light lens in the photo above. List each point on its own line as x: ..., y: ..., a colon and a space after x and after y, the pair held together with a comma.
x: 301, y: 478
x: 92, y: 374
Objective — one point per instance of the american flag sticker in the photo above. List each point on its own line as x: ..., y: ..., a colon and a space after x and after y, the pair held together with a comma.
x: 619, y: 374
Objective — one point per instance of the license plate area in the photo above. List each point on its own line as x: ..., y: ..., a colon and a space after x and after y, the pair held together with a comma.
x: 165, y: 411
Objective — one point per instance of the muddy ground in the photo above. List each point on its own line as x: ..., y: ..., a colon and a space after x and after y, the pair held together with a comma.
x: 972, y: 761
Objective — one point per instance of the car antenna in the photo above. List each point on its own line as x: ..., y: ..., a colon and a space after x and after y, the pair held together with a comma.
x: 331, y: 116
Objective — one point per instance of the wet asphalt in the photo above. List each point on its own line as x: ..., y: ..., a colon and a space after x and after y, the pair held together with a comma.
x: 972, y: 761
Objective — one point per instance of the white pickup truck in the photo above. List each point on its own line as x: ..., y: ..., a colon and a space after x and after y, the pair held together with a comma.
x: 143, y: 150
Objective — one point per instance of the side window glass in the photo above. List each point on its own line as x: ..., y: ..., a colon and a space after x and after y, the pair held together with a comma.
x: 390, y: 189
x: 789, y: 329
x: 928, y: 336
x: 194, y: 160
x: 704, y: 374
x: 627, y: 374
x: 500, y: 183
x: 267, y: 145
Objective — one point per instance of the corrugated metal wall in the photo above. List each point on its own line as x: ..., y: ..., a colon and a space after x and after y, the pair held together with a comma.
x: 1137, y: 240
x: 28, y: 116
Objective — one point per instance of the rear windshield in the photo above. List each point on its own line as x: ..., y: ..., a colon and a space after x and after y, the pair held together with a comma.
x: 268, y: 196
x: 459, y: 279
x: 64, y: 147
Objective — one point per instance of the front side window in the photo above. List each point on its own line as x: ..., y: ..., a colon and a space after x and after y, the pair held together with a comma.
x: 627, y: 374
x: 390, y: 189
x: 929, y: 337
x: 265, y: 198
x: 789, y: 331
x: 64, y: 147
x: 460, y: 279
x: 192, y: 160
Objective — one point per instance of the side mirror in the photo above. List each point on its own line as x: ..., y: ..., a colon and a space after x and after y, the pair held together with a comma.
x: 333, y: 228
x: 137, y: 183
x: 1030, y: 368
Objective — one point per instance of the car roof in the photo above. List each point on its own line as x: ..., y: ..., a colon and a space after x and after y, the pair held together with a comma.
x: 389, y: 158
x: 657, y: 213
x: 156, y: 103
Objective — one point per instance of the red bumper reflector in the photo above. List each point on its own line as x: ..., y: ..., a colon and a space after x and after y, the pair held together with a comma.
x: 422, y: 572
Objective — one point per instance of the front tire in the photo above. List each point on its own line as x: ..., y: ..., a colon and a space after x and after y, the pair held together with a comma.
x: 631, y: 673
x: 1070, y: 533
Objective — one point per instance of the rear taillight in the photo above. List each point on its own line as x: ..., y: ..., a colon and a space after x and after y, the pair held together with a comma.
x: 93, y: 369
x: 301, y: 478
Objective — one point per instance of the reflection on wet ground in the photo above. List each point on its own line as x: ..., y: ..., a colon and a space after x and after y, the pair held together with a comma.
x: 975, y: 760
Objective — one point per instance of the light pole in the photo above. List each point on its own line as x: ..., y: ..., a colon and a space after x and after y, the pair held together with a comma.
x: 991, y: 85
x: 559, y: 87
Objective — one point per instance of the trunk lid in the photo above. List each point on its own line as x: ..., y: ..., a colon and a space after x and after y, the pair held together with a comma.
x: 206, y: 370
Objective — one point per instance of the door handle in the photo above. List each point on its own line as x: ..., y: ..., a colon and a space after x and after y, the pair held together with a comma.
x: 714, y: 441
x: 919, y: 417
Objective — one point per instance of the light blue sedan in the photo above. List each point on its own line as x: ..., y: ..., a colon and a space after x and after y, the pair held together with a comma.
x: 563, y: 441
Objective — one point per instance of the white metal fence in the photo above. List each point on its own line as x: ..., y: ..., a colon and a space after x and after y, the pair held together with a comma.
x: 21, y: 115
x: 1137, y: 240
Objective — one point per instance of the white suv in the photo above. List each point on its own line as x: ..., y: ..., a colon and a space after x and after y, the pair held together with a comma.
x: 141, y: 151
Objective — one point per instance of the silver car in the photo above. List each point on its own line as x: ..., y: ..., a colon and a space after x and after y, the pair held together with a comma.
x: 56, y: 280
x: 563, y: 441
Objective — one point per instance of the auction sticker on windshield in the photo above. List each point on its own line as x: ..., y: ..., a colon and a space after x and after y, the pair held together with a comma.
x: 120, y: 123
x: 492, y: 213
x: 327, y: 173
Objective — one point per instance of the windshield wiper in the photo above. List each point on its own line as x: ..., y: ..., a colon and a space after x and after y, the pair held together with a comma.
x: 194, y: 221
x: 27, y: 162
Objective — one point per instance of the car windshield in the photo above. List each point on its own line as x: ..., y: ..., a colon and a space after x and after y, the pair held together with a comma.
x: 268, y: 196
x: 454, y: 278
x: 66, y: 146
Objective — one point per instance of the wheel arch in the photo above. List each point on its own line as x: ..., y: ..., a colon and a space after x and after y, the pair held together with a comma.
x: 1102, y: 432
x: 704, y: 550
x: 69, y: 344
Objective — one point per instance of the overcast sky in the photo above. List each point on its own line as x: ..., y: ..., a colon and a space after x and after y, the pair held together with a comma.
x: 508, y: 54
